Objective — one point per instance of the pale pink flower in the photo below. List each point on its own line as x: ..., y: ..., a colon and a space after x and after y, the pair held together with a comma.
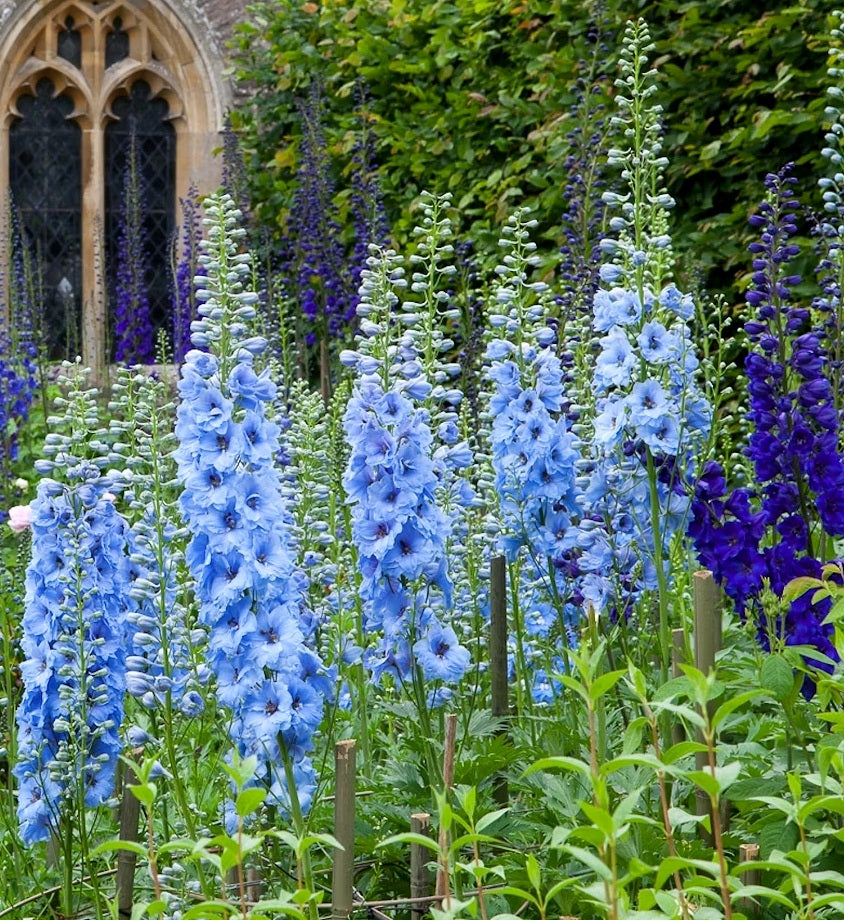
x: 20, y: 518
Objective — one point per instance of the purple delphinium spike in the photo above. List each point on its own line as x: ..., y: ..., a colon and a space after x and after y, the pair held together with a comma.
x: 779, y: 529
x: 188, y: 268
x: 133, y: 332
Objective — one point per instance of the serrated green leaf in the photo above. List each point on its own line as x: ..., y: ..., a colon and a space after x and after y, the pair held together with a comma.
x: 776, y: 676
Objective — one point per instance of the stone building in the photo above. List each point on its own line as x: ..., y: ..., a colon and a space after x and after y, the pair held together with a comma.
x: 84, y: 86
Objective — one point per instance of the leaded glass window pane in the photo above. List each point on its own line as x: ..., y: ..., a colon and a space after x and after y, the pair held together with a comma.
x: 45, y: 178
x: 69, y: 44
x: 146, y: 119
x: 117, y: 43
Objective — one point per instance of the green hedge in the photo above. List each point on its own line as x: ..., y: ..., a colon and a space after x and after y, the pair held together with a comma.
x: 475, y: 97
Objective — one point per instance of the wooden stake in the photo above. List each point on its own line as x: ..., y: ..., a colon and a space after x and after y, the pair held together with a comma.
x: 448, y: 782
x: 748, y: 852
x: 707, y: 599
x: 342, y: 888
x: 498, y: 670
x: 130, y: 812
x: 420, y: 877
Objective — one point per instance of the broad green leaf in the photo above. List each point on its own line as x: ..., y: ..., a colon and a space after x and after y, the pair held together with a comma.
x: 248, y: 800
x: 777, y: 677
x: 604, y: 683
x: 490, y: 818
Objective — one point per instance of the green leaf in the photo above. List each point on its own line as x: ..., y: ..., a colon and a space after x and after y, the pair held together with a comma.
x: 490, y: 818
x: 210, y: 909
x: 151, y: 909
x: 127, y: 846
x: 777, y: 677
x: 731, y: 705
x: 600, y: 818
x: 143, y: 792
x: 409, y: 837
x: 249, y: 800
x: 533, y: 873
x: 559, y: 763
x: 604, y: 683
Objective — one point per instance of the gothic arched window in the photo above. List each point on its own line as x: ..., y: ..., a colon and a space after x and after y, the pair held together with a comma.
x: 45, y: 179
x: 142, y: 130
x: 82, y: 83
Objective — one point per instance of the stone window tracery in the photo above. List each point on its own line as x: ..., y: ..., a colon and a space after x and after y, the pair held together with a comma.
x: 81, y: 80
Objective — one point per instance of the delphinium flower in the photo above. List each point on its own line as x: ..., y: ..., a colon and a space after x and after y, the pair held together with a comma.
x: 235, y: 179
x: 166, y: 672
x: 316, y: 261
x: 830, y: 271
x: 645, y: 420
x: 73, y: 633
x: 367, y: 203
x: 310, y: 481
x: 430, y: 317
x: 18, y: 361
x: 133, y: 332
x: 187, y: 268
x: 248, y: 592
x: 585, y: 162
x: 534, y: 453
x: 391, y: 483
x: 760, y: 538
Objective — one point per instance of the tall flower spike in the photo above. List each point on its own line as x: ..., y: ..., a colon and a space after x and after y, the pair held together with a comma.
x: 249, y: 593
x: 391, y: 483
x: 645, y: 420
x: 759, y: 539
x: 73, y: 634
x: 133, y: 332
x: 187, y: 268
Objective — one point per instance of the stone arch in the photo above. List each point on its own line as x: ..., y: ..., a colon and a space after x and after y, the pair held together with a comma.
x: 162, y: 42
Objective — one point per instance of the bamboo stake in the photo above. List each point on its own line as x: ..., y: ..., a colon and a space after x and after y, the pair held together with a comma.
x: 342, y: 887
x: 130, y: 813
x: 448, y: 782
x: 420, y: 877
x: 499, y: 692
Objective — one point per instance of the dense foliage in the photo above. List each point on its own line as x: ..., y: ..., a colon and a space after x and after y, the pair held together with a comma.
x: 480, y: 98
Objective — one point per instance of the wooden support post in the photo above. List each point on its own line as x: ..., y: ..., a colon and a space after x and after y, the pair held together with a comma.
x: 342, y: 887
x: 448, y: 782
x: 748, y: 852
x: 707, y: 601
x: 254, y: 886
x: 130, y: 813
x: 420, y: 877
x: 498, y: 670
